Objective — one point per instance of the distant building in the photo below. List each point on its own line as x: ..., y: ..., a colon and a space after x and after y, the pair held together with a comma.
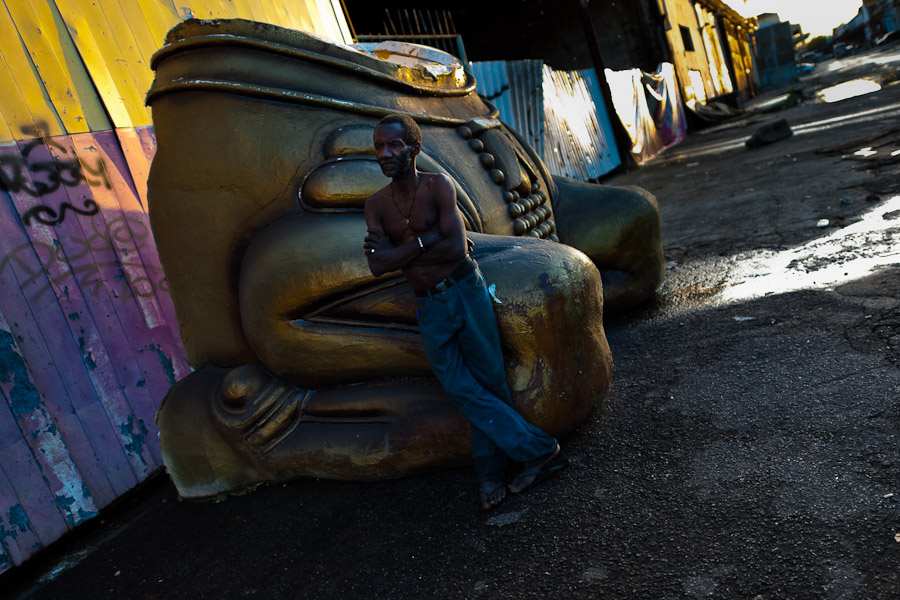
x: 767, y: 19
x: 880, y: 17
x: 710, y: 45
x: 774, y: 50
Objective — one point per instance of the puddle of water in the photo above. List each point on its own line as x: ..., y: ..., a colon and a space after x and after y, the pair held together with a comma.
x: 849, y: 89
x: 848, y: 253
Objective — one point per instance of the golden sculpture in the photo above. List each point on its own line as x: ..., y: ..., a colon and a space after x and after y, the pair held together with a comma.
x: 306, y: 364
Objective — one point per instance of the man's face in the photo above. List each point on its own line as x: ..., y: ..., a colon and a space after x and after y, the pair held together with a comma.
x: 394, y: 155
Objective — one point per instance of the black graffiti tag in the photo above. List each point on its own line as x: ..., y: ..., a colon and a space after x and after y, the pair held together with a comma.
x: 48, y: 262
x: 45, y: 177
x: 48, y: 216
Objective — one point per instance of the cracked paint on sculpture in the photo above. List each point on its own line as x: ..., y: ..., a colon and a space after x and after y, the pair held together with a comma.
x: 306, y: 364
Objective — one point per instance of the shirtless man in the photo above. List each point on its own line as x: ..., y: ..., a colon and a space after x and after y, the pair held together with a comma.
x: 413, y: 224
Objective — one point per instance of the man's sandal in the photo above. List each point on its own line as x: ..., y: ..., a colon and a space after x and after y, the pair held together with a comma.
x: 491, y: 493
x: 538, y: 471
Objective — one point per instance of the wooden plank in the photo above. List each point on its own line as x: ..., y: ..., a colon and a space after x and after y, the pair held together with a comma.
x: 330, y: 21
x: 34, y: 24
x: 144, y: 35
x: 35, y: 426
x: 107, y: 473
x: 149, y: 255
x: 130, y: 285
x: 43, y: 276
x: 160, y: 18
x: 276, y: 13
x: 145, y: 274
x: 206, y: 9
x: 22, y: 102
x: 55, y: 393
x: 340, y: 22
x: 243, y: 9
x: 254, y: 10
x: 105, y: 62
x: 17, y: 537
x: 138, y: 158
x: 260, y: 11
x: 83, y: 241
x: 91, y: 103
x: 228, y: 9
x: 28, y: 483
x: 6, y: 134
x: 151, y: 338
x: 306, y: 17
x: 125, y: 43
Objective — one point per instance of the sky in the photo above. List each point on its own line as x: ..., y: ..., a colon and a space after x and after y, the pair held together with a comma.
x: 816, y: 17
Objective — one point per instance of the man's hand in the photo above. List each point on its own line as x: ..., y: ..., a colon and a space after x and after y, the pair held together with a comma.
x: 375, y: 241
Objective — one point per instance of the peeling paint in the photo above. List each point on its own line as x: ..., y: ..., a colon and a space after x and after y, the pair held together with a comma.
x: 18, y: 520
x: 136, y: 445
x: 74, y: 511
x: 86, y: 354
x: 166, y: 362
x: 47, y: 447
x: 23, y: 397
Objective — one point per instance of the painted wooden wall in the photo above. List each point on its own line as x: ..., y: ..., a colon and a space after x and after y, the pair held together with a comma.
x: 89, y: 343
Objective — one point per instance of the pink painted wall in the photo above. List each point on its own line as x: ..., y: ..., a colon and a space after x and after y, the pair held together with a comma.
x: 88, y: 338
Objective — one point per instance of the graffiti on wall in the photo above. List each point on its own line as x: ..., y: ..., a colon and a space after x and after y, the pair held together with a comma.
x: 46, y: 176
x: 80, y: 283
x: 121, y: 236
x: 39, y: 169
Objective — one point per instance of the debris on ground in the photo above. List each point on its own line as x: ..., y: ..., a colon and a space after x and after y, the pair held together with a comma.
x: 770, y: 133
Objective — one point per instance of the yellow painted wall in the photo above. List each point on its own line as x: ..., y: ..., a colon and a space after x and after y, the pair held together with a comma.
x: 703, y: 71
x: 680, y: 13
x: 718, y: 69
x: 73, y: 66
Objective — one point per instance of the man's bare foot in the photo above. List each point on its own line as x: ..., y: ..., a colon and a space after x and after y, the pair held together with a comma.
x: 492, y: 493
x: 539, y: 470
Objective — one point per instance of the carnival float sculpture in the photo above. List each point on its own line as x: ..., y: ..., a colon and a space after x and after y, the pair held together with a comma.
x: 305, y: 364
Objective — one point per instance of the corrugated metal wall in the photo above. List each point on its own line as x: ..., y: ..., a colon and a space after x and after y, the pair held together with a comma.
x: 560, y: 113
x: 88, y: 339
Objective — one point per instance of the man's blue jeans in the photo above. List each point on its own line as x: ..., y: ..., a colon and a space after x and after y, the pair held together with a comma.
x: 459, y: 331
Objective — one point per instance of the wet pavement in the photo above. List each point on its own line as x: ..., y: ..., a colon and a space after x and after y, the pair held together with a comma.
x: 748, y: 447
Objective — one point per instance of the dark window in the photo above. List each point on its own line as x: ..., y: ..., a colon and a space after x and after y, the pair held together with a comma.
x: 686, y: 38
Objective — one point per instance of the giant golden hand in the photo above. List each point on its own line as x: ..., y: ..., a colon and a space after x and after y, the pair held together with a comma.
x: 306, y: 364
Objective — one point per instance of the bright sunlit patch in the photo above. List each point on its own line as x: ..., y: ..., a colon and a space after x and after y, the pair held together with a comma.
x: 849, y: 89
x: 849, y: 253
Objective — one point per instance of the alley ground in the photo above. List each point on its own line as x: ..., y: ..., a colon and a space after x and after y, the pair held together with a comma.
x: 748, y: 447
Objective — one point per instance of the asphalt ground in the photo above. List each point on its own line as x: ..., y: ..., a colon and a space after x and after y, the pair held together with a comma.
x: 748, y: 447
